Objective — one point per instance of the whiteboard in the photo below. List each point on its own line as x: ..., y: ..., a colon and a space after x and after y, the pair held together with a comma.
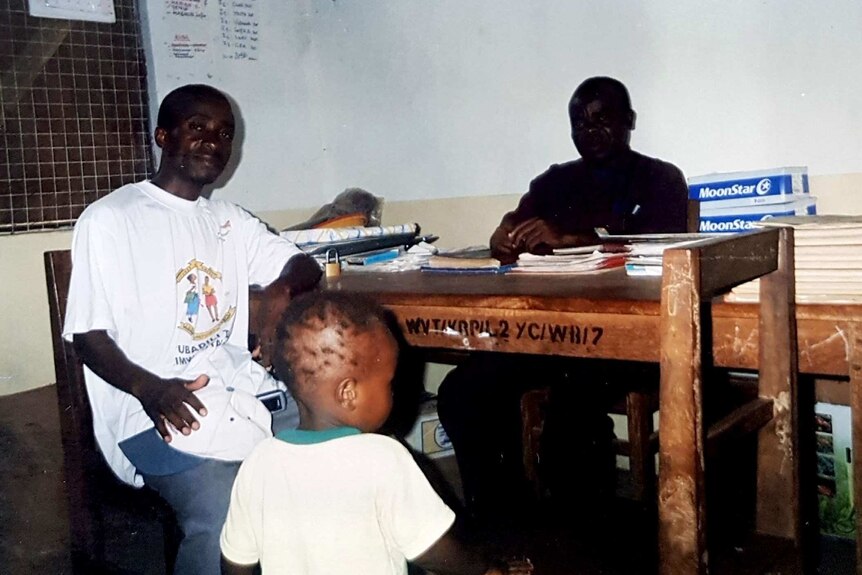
x: 445, y: 98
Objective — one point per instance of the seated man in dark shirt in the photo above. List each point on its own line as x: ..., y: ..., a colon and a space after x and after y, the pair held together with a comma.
x: 610, y: 186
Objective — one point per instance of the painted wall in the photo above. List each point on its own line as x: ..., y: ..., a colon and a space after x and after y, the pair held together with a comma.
x: 26, y: 356
x: 444, y: 98
x: 448, y: 109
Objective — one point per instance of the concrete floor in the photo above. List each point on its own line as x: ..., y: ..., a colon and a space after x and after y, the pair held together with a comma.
x: 34, y: 526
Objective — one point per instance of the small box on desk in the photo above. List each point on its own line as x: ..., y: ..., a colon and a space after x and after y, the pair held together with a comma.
x: 428, y: 435
x: 737, y: 189
x: 740, y: 219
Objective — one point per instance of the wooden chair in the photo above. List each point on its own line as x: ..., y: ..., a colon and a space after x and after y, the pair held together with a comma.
x: 638, y: 406
x: 91, y: 486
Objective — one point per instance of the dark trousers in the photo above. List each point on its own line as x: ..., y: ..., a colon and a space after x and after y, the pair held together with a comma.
x: 479, y: 407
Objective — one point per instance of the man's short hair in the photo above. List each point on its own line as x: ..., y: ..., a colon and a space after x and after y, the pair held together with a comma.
x: 298, y: 356
x: 176, y: 105
x: 602, y: 85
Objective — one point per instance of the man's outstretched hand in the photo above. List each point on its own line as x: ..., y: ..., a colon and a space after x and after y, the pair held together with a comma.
x: 165, y: 401
x: 168, y: 401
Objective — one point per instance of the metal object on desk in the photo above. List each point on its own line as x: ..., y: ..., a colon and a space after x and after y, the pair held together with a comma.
x: 333, y: 264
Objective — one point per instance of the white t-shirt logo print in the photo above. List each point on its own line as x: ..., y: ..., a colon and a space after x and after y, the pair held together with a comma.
x: 224, y: 230
x: 201, y: 297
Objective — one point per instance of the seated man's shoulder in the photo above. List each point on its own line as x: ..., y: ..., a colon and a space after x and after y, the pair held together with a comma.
x: 660, y: 167
x: 559, y: 172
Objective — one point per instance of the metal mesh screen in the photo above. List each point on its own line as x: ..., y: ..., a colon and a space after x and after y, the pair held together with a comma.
x: 73, y: 114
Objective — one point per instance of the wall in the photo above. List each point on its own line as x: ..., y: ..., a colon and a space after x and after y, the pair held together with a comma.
x: 26, y: 356
x: 470, y: 220
x: 444, y: 98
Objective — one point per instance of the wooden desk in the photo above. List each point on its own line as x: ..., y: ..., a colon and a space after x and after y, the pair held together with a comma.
x: 643, y: 319
x: 829, y: 344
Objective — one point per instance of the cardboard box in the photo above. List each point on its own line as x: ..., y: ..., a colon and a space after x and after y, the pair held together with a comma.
x: 737, y: 189
x: 428, y: 435
x: 741, y: 219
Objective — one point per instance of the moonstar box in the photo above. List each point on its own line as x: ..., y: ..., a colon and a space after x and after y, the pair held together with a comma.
x: 740, y: 219
x: 737, y: 189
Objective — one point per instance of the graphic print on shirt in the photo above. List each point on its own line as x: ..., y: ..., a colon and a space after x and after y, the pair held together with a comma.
x: 224, y: 230
x: 210, y: 300
x: 192, y: 299
x: 213, y: 327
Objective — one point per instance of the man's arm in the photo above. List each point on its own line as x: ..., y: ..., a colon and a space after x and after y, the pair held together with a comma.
x: 539, y: 237
x: 526, y: 228
x: 164, y: 400
x: 665, y: 208
x: 448, y: 556
x: 300, y: 274
x: 503, y: 246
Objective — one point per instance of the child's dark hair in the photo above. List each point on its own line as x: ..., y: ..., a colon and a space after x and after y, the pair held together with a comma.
x: 294, y: 360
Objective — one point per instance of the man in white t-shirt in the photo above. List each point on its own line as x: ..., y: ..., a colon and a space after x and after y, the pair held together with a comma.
x: 172, y: 385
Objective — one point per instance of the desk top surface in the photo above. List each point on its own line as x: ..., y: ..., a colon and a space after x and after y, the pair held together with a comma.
x: 824, y: 330
x: 610, y: 291
x: 575, y: 292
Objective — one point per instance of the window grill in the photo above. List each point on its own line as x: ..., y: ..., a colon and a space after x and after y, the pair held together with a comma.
x: 74, y: 118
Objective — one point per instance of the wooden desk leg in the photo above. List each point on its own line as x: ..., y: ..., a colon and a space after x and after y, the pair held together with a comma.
x: 782, y: 501
x: 681, y: 500
x: 855, y: 361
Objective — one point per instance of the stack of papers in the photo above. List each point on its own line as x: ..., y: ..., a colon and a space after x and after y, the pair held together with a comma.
x: 645, y: 250
x: 645, y: 257
x: 828, y: 254
x: 566, y: 262
x: 475, y: 259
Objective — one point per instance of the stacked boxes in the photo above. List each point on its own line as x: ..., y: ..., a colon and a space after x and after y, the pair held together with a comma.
x: 732, y: 202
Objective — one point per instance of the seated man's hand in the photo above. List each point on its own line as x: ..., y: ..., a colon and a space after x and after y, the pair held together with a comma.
x: 537, y: 236
x: 301, y: 273
x: 502, y: 246
x: 167, y: 401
